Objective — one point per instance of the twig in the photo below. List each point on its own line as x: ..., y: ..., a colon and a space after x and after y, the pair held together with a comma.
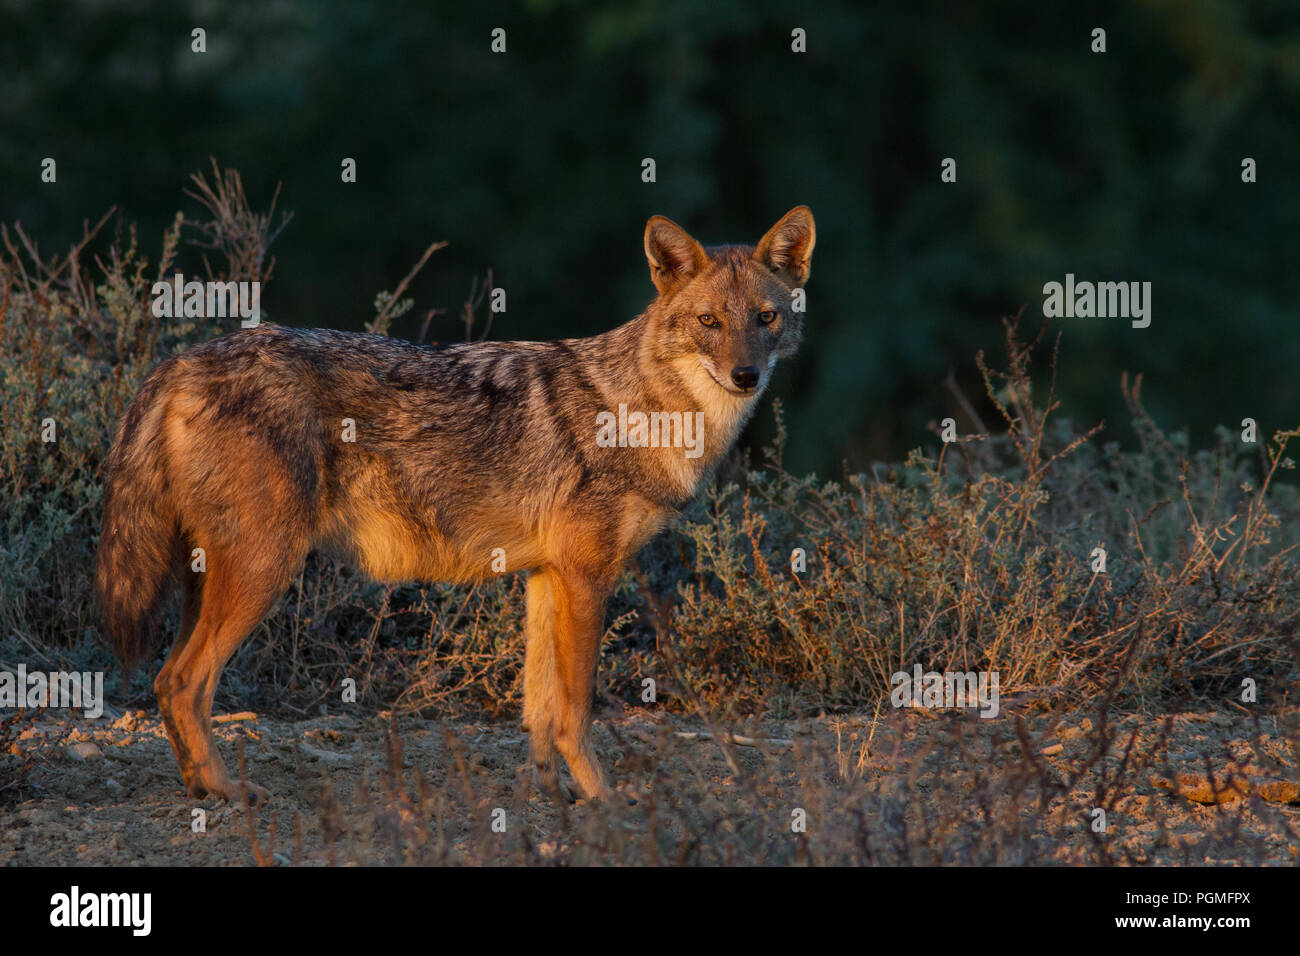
x: 401, y: 286
x: 736, y: 739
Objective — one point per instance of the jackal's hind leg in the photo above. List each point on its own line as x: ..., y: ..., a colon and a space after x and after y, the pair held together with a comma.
x: 218, y: 612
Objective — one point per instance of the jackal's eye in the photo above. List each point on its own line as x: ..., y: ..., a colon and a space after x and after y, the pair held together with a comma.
x: 709, y: 319
x: 766, y: 318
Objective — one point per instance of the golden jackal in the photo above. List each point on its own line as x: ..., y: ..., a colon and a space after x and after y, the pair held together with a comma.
x: 568, y: 455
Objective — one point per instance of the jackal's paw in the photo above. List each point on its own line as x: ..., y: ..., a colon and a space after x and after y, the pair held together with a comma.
x: 257, y: 796
x: 547, y: 781
x: 229, y: 791
x: 603, y: 795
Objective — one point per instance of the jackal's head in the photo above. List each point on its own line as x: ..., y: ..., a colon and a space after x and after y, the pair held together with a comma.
x: 729, y: 311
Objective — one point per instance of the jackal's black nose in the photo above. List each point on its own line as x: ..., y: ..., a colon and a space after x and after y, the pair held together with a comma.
x: 745, y: 376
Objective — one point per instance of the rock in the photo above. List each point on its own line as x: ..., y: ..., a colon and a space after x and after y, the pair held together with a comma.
x: 325, y: 756
x: 83, y: 750
x: 1198, y: 787
x: 1228, y: 788
x: 1279, y: 791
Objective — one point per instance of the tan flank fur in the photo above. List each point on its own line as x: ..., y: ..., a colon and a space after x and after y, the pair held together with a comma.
x: 238, y: 447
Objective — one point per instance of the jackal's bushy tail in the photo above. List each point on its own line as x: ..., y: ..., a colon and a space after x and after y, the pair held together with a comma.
x: 139, y: 539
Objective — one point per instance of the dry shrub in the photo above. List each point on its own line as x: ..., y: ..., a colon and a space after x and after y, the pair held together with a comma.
x: 975, y: 555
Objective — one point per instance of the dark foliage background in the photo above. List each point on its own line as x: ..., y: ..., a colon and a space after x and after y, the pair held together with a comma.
x: 1122, y: 166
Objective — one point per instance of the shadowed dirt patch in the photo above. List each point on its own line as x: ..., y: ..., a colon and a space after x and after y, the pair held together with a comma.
x: 903, y: 786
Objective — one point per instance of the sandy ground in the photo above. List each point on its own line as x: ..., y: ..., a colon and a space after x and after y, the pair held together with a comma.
x: 108, y: 792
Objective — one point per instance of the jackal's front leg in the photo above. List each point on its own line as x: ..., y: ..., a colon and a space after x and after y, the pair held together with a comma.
x: 540, y: 685
x: 579, y: 607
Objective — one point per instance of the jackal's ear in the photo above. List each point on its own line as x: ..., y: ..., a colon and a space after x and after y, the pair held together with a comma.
x: 787, y: 247
x: 673, y: 255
